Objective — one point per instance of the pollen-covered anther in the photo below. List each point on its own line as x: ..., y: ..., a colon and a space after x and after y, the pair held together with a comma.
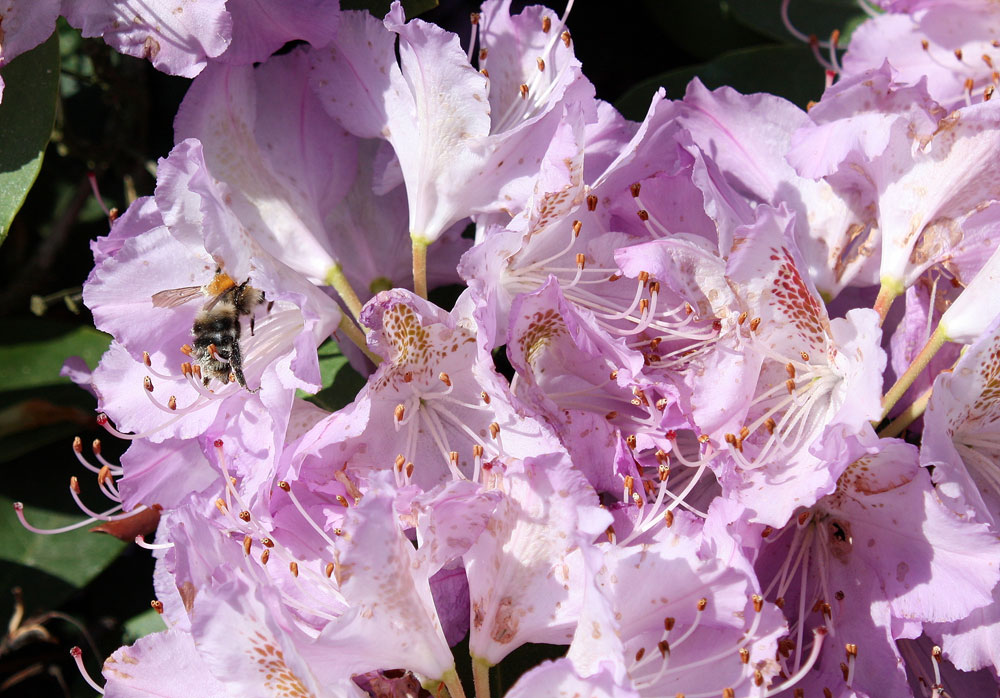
x: 399, y: 463
x: 483, y: 53
x: 704, y: 438
x: 790, y: 386
x: 591, y: 202
x: 78, y: 444
x: 702, y: 604
x: 540, y: 62
x: 581, y: 260
x: 577, y: 227
x: 444, y: 378
x: 328, y: 570
x: 196, y: 371
x: 485, y: 397
x: 744, y: 433
x: 758, y: 678
x: 565, y: 39
x: 523, y: 90
x: 186, y: 369
x: 245, y: 516
x: 728, y: 693
x: 925, y: 44
x: 742, y: 318
x: 145, y: 359
x: 744, y: 655
x: 247, y: 543
x: 267, y: 542
x: 293, y: 567
x: 494, y: 430
x: 187, y: 350
x: 969, y: 84
x: 172, y: 402
x: 661, y: 404
x: 485, y: 73
x: 342, y: 500
x: 668, y: 518
x: 157, y: 606
x: 770, y: 425
x: 663, y: 472
x: 613, y: 375
x: 265, y: 556
x: 629, y: 485
x: 643, y: 306
x: 631, y: 441
x: 546, y: 24
x: 74, y: 484
x: 103, y: 475
x: 988, y: 93
x: 758, y: 602
x: 754, y: 324
x: 790, y: 369
x: 453, y: 457
x: 610, y: 534
x: 221, y: 506
x: 958, y: 53
x: 399, y: 412
x: 409, y: 469
x: 147, y: 383
x: 730, y: 439
x: 283, y: 484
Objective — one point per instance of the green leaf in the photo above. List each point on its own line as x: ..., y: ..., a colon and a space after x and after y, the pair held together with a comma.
x: 26, y: 117
x: 341, y: 380
x: 703, y: 29
x: 32, y: 351
x: 787, y: 71
x: 146, y: 623
x: 819, y: 17
x: 379, y: 8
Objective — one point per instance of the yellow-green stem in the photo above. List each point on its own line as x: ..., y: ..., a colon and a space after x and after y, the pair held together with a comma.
x: 916, y: 368
x: 420, y: 266
x: 907, y: 417
x: 354, y: 334
x: 886, y: 295
x: 454, y: 686
x: 335, y: 277
x: 481, y: 677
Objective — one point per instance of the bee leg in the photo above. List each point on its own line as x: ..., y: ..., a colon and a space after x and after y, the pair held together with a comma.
x: 252, y: 318
x: 236, y: 363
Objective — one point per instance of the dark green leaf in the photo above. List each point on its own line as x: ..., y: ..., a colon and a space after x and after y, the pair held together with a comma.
x: 32, y: 351
x: 379, y: 8
x: 146, y: 623
x: 26, y: 117
x: 703, y: 29
x: 341, y: 382
x: 788, y: 71
x: 818, y: 17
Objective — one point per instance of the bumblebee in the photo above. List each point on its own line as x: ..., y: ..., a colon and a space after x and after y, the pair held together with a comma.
x: 218, y: 325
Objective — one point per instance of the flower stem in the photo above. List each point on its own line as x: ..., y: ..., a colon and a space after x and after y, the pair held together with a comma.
x: 352, y: 332
x: 886, y: 295
x: 907, y: 417
x: 481, y: 677
x: 335, y: 277
x: 916, y: 368
x: 420, y: 266
x: 454, y: 686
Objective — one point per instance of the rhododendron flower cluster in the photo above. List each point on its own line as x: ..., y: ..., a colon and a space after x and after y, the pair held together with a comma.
x: 660, y: 427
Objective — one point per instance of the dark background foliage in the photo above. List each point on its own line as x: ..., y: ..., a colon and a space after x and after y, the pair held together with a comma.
x: 113, y: 119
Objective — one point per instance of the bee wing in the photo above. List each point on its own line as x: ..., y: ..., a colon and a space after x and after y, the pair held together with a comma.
x: 173, y: 297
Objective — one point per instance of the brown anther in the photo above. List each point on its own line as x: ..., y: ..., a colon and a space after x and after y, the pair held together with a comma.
x: 742, y: 318
x: 341, y: 500
x: 799, y: 693
x: 768, y: 530
x: 220, y: 505
x: 494, y: 429
x: 329, y: 570
x: 988, y: 93
x: 744, y: 655
x: 702, y: 604
x: 987, y: 60
x: 643, y: 214
x: 744, y: 433
x: 688, y: 310
x: 668, y: 518
x: 610, y: 534
x: 172, y: 402
x: 399, y: 462
x: 969, y: 84
x: 790, y: 386
x: 728, y: 693
x: 444, y: 378
x: 546, y: 24
x: 663, y: 473
x: 482, y: 54
x: 611, y: 415
x: 565, y: 39
x: 643, y: 277
x: 654, y: 287
x: 958, y: 53
x: 196, y: 371
x: 409, y: 469
x: 187, y: 350
x: 247, y: 542
x: 995, y: 43
x: 282, y: 484
x: 640, y: 654
x: 540, y: 62
x: 661, y: 404
x: 704, y: 438
x: 827, y: 611
x: 845, y: 671
x: 147, y: 383
x: 145, y: 359
x: 758, y: 602
x: 790, y: 369
x: 835, y: 36
x: 668, y: 623
x: 839, y: 595
x: 581, y: 260
x: 485, y: 397
x: 157, y: 606
x: 730, y: 439
x: 485, y: 73
x: 453, y: 457
x: 614, y: 277
x: 473, y: 18
x: 293, y: 567
x: 265, y: 556
x: 803, y: 518
x: 245, y: 516
x: 186, y: 369
x: 770, y: 425
x: 664, y: 648
x: 74, y: 484
x: 408, y: 377
x: 805, y: 356
x: 524, y: 91
x: 614, y: 375
x: 851, y: 649
x: 643, y: 306
x: 78, y: 444
x: 104, y: 474
x: 477, y: 451
x: 634, y: 188
x: 630, y: 440
x: 232, y: 377
x: 577, y: 227
x: 925, y: 44
x: 591, y: 202
x: 936, y: 653
x: 754, y: 324
x: 758, y: 678
x: 630, y: 485
x: 399, y: 412
x: 95, y: 446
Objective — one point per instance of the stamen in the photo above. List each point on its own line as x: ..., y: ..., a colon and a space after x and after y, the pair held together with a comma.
x: 19, y: 510
x: 77, y: 655
x: 140, y: 540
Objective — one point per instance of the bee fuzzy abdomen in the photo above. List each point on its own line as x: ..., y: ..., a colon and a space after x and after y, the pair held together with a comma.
x: 218, y: 328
